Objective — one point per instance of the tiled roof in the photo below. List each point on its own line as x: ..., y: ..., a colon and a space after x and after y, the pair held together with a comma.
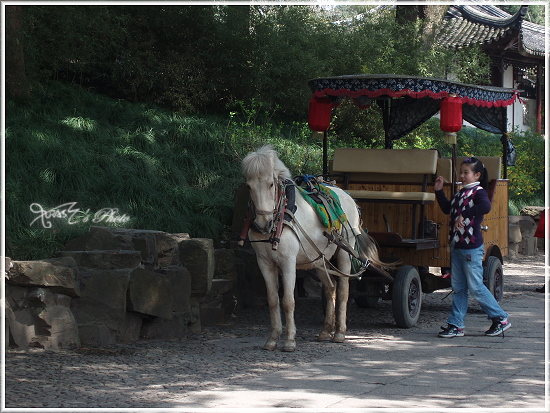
x: 464, y: 25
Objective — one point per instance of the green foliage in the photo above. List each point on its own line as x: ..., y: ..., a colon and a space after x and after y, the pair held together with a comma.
x: 170, y: 172
x: 252, y: 125
x: 527, y: 177
x: 203, y: 58
x: 163, y: 170
x: 177, y: 173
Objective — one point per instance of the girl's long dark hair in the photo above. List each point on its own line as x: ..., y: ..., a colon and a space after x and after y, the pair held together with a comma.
x: 477, y: 166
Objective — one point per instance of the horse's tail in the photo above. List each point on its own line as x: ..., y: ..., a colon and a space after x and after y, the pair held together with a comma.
x: 368, y: 249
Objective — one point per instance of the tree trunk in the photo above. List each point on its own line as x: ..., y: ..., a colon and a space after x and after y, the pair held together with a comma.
x: 408, y: 14
x: 16, y: 79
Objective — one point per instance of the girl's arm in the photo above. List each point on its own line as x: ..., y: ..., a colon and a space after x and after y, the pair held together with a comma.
x: 442, y: 200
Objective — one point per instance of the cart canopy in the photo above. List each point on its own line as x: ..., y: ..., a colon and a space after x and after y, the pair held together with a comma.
x: 409, y: 101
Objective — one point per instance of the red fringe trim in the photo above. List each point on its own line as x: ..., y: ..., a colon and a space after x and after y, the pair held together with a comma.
x: 417, y: 95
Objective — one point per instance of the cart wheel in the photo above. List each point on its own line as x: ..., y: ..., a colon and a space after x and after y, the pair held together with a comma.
x: 406, y: 296
x: 493, y: 277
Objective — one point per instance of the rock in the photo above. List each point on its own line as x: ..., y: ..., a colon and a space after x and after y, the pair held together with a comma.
x: 157, y: 248
x: 250, y: 288
x: 110, y: 259
x: 212, y: 315
x: 101, y: 309
x: 161, y: 328
x: 514, y: 233
x: 59, y: 274
x: 527, y: 226
x: 225, y: 264
x: 197, y: 255
x: 39, y: 317
x: 150, y: 293
x: 8, y: 265
x: 219, y: 305
x: 61, y: 328
x: 130, y: 330
x: 180, y: 287
x: 532, y: 211
x: 168, y: 248
x: 100, y: 238
x: 117, y: 285
x: 97, y: 335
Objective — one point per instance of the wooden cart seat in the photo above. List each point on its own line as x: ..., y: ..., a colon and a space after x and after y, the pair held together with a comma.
x: 390, y: 168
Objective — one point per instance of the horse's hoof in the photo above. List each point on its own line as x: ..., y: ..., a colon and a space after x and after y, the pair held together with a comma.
x: 270, y: 345
x: 323, y: 336
x: 338, y: 338
x: 289, y: 346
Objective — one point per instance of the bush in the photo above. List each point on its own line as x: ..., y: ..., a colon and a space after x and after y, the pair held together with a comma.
x: 527, y: 177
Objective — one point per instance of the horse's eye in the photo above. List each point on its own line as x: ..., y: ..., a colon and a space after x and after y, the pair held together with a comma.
x: 248, y: 186
x: 271, y: 186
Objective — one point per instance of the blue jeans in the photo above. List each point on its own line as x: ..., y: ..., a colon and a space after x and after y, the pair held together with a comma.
x: 467, y: 275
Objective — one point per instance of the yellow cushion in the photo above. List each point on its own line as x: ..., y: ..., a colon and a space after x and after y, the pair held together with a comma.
x: 385, y: 161
x: 427, y: 197
x: 492, y: 164
x: 444, y: 167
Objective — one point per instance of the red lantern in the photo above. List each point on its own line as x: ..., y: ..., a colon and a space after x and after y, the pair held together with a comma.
x: 319, y: 114
x: 451, y: 114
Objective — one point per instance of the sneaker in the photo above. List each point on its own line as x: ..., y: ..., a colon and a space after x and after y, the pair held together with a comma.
x: 446, y: 275
x: 498, y: 327
x: 451, y: 331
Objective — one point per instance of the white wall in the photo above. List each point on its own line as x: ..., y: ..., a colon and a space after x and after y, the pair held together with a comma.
x: 520, y: 115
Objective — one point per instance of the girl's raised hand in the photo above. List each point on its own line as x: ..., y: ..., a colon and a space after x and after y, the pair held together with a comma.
x: 438, y: 185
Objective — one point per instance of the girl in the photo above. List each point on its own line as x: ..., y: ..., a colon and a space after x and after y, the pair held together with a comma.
x: 466, y: 211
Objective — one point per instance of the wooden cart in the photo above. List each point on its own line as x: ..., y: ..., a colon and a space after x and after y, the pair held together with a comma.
x: 394, y: 190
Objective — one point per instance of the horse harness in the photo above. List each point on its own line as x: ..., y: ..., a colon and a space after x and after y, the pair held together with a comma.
x: 283, y: 213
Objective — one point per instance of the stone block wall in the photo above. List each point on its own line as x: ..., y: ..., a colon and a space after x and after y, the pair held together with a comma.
x: 119, y: 285
x: 521, y: 230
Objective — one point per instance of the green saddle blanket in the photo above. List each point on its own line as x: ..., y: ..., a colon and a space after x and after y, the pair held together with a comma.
x: 326, y: 203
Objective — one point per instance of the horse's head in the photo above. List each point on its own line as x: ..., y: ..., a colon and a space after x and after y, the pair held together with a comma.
x: 263, y: 169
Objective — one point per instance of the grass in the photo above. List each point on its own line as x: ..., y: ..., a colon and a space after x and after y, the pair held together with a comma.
x: 162, y: 170
x: 157, y: 169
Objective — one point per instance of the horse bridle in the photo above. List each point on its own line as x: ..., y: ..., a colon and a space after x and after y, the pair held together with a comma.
x: 279, y: 199
x: 279, y: 195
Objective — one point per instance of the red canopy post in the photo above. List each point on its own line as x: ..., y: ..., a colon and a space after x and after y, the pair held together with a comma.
x: 320, y: 110
x: 450, y: 122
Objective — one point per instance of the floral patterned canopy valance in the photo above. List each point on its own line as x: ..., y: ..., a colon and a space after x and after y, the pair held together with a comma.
x: 413, y: 100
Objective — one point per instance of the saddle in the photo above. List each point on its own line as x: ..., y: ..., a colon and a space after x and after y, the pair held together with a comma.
x: 324, y: 201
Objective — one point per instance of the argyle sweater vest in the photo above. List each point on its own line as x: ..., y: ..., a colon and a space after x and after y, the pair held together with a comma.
x: 463, y: 200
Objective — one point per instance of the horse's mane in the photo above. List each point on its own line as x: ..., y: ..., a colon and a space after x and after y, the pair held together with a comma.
x: 264, y: 162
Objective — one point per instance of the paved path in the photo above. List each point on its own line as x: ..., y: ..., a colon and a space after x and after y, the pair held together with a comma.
x: 378, y: 366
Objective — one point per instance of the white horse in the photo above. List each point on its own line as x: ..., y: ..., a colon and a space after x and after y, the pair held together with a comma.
x: 302, y: 246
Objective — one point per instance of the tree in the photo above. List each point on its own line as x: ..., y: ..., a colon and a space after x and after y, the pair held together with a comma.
x: 16, y: 79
